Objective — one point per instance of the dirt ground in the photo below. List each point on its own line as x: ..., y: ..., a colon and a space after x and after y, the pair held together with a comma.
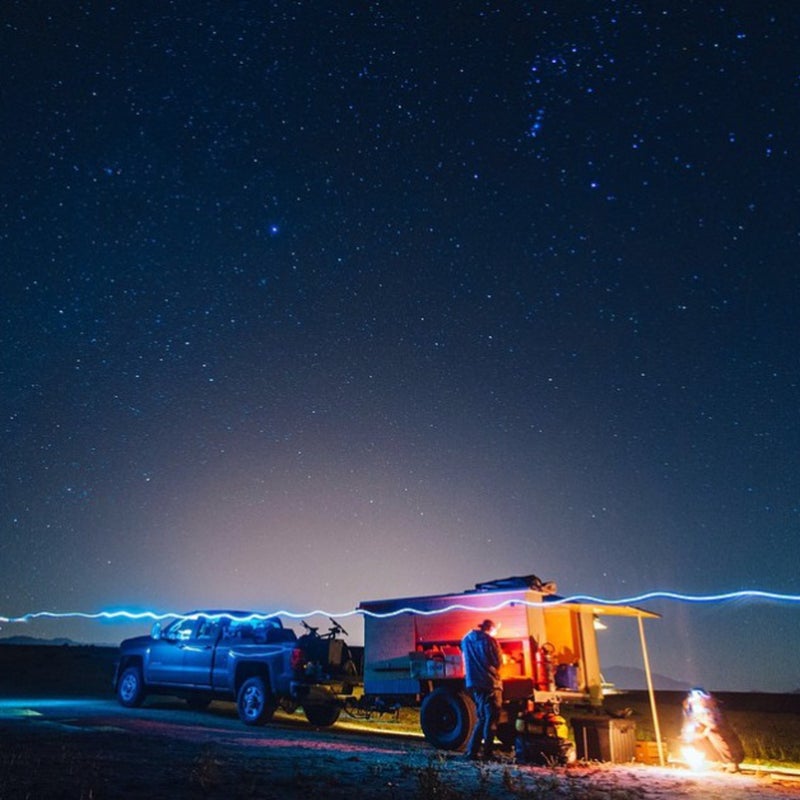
x: 53, y: 749
x: 155, y: 760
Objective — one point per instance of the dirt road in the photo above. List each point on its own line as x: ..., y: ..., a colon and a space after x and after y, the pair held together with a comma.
x: 95, y: 749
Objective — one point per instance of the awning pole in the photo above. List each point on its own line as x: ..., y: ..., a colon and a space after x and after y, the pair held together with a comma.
x: 650, y: 691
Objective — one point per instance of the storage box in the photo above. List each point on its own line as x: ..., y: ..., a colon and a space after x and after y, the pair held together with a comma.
x: 425, y: 668
x: 453, y: 661
x: 647, y: 752
x: 437, y: 663
x: 454, y: 666
x: 603, y: 738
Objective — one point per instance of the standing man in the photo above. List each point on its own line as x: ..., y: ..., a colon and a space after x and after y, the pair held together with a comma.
x: 482, y: 660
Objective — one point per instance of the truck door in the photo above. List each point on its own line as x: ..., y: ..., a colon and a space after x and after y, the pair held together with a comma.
x: 165, y: 663
x: 198, y: 653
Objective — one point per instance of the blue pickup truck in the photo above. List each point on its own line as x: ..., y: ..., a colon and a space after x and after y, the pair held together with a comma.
x: 241, y: 656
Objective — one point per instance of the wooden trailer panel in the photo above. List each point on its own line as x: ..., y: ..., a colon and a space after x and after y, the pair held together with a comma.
x: 388, y: 643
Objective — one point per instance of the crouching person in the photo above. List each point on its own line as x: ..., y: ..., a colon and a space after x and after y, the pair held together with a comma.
x: 707, y: 731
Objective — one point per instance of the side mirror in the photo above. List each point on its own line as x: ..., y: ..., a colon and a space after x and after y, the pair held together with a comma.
x: 155, y: 631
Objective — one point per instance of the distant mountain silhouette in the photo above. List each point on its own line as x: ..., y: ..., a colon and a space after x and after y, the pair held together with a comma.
x: 634, y: 678
x: 21, y: 640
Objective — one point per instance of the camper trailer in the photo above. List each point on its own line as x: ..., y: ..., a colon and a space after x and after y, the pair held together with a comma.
x: 550, y: 655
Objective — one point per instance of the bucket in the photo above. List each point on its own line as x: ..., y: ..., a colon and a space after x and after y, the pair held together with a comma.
x: 567, y: 677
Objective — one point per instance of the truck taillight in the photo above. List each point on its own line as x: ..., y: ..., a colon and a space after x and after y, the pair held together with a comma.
x: 298, y: 660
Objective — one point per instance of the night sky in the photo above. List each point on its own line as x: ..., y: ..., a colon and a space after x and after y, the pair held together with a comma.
x: 309, y: 303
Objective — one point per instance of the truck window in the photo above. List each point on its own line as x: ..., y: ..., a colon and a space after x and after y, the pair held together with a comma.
x: 179, y: 631
x: 208, y: 628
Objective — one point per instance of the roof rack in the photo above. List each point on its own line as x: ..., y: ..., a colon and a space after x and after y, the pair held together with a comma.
x: 518, y: 582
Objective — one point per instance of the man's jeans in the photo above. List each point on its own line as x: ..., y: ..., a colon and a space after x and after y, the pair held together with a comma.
x: 487, y: 703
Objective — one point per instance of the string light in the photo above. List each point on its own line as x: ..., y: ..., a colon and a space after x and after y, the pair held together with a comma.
x: 155, y: 616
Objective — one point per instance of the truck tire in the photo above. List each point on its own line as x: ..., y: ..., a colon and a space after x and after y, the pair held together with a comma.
x: 254, y: 702
x: 322, y: 715
x: 447, y: 718
x: 130, y: 688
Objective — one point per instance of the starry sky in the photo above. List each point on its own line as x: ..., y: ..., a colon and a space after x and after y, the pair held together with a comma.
x: 309, y: 303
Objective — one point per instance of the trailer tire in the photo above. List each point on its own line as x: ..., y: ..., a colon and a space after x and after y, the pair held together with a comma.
x: 322, y: 715
x: 447, y: 718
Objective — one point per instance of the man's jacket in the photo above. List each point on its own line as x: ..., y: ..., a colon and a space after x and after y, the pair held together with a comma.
x: 482, y: 659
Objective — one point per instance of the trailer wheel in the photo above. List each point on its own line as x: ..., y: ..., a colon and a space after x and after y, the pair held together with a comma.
x: 447, y: 718
x: 322, y: 715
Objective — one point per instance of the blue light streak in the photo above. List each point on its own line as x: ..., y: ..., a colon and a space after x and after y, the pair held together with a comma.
x: 155, y: 616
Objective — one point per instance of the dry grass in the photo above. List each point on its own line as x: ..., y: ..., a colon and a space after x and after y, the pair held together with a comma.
x: 768, y: 738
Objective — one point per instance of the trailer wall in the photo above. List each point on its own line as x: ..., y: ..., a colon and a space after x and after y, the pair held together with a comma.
x: 397, y: 642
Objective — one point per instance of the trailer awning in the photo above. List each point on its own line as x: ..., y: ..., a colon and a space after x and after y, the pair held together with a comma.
x: 487, y: 601
x: 605, y: 609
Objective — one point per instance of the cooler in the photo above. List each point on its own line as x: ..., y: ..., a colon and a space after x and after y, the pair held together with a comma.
x: 602, y: 738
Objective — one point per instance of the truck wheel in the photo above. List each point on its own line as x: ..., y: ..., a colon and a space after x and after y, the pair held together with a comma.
x: 447, y: 718
x: 130, y: 688
x: 322, y: 715
x: 254, y: 702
